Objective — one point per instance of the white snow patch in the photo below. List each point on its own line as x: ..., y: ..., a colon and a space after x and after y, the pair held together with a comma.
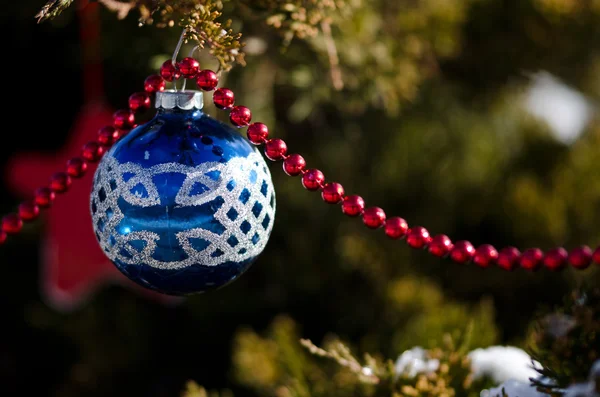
x: 502, y: 363
x: 566, y: 111
x: 415, y: 361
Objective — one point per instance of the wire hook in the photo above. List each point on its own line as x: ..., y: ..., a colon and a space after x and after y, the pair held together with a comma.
x: 178, y: 48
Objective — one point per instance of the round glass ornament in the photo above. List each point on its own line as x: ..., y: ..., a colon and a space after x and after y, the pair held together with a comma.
x: 183, y: 204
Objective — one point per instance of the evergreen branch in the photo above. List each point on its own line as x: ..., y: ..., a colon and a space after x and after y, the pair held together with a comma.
x: 52, y: 8
x: 340, y: 353
x: 223, y: 43
x: 198, y: 17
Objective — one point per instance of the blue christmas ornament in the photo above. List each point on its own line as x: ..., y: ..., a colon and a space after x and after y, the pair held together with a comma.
x: 183, y: 204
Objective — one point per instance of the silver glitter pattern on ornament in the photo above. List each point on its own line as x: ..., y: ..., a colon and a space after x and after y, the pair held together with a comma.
x: 246, y: 215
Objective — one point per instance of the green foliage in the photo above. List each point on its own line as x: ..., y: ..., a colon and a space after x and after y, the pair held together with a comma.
x: 277, y: 365
x: 425, y: 329
x: 454, y: 376
x: 192, y: 389
x: 384, y: 59
x: 567, y: 341
x: 296, y: 18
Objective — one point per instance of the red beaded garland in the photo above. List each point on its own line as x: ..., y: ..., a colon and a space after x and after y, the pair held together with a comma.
x: 207, y: 80
x: 396, y: 227
x: 353, y: 205
x: 12, y: 224
x: 275, y: 149
x: 596, y: 256
x: 555, y: 259
x: 29, y: 210
x: 240, y: 116
x: 531, y: 259
x: 418, y: 237
x: 92, y: 152
x: 332, y: 193
x: 508, y: 257
x: 154, y: 83
x: 223, y: 98
x: 258, y: 133
x: 313, y: 179
x: 580, y: 257
x: 123, y: 119
x: 44, y: 197
x: 462, y: 252
x: 188, y: 67
x: 440, y: 245
x: 294, y: 164
x: 107, y: 136
x: 485, y: 255
x: 76, y: 167
x: 60, y: 182
x: 168, y: 71
x: 139, y: 100
x: 373, y: 217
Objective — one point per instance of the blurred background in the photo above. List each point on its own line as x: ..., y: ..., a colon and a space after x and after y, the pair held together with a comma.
x: 473, y: 118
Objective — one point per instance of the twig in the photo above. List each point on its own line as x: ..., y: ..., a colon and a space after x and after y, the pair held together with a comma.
x: 334, y: 60
x: 122, y: 9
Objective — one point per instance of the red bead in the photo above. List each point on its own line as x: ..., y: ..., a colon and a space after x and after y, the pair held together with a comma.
x: 257, y: 133
x: 223, y: 98
x: 44, y: 197
x: 353, y: 205
x: 168, y: 71
x: 531, y: 259
x: 580, y: 257
x: 462, y: 252
x: 123, y: 119
x: 139, y: 100
x: 76, y: 167
x: 12, y: 224
x: 207, y: 80
x: 418, y: 237
x: 333, y: 193
x: 188, y: 67
x: 313, y: 180
x: 275, y: 149
x: 294, y: 164
x: 28, y: 210
x: 92, y: 152
x: 555, y: 259
x: 108, y: 135
x: 240, y: 116
x: 2, y: 236
x: 60, y: 182
x: 508, y: 257
x: 596, y: 256
x: 154, y: 83
x: 396, y: 228
x: 485, y: 255
x: 373, y: 217
x: 440, y: 245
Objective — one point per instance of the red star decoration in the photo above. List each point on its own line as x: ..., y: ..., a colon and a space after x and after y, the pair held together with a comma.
x: 74, y: 266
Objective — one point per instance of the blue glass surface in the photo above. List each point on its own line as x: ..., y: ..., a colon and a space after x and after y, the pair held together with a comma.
x: 191, y: 139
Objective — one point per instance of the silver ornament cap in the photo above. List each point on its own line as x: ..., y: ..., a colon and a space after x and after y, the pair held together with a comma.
x: 184, y: 100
